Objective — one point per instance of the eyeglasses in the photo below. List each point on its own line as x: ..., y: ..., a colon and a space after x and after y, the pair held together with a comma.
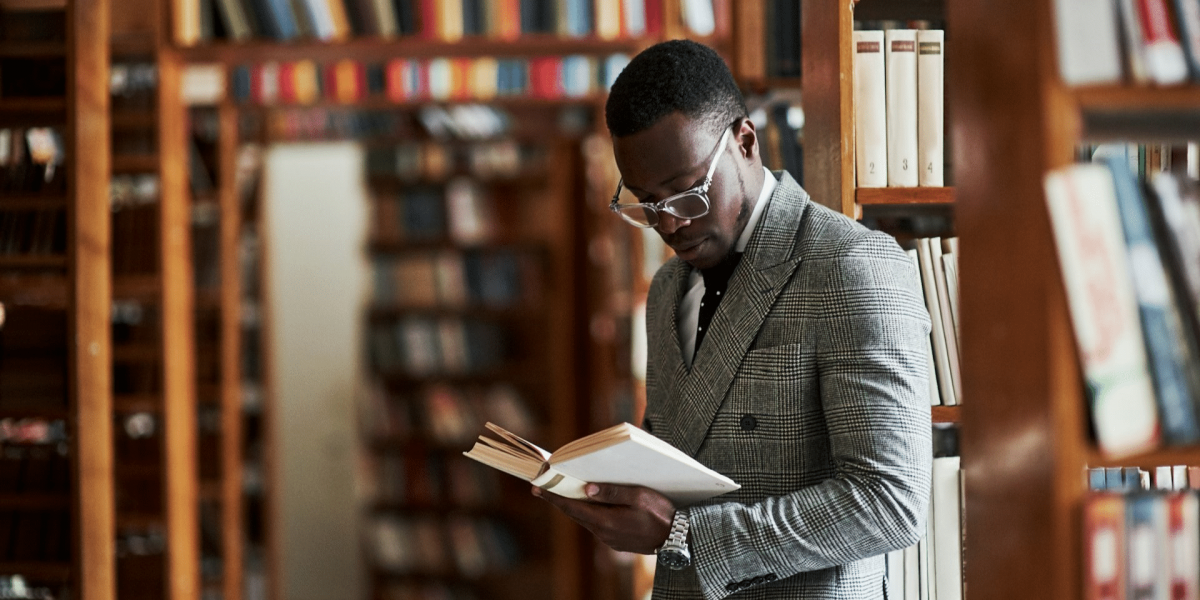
x: 688, y: 204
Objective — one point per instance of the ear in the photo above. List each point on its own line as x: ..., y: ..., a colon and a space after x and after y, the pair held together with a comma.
x: 747, y: 140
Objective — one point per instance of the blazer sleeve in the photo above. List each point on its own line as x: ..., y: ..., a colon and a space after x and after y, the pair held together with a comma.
x: 873, y: 374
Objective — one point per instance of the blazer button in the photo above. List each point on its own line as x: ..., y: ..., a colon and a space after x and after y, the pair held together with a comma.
x: 749, y: 422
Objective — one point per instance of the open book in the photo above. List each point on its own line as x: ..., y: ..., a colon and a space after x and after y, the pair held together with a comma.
x: 622, y: 454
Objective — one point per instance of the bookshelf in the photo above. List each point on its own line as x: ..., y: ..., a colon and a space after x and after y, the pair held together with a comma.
x: 64, y: 498
x: 1028, y: 426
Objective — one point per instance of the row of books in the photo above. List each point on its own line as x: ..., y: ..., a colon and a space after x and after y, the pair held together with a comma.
x: 1140, y: 41
x: 1127, y: 256
x: 414, y: 480
x: 936, y: 260
x: 449, y: 414
x: 462, y: 211
x: 133, y: 190
x: 133, y: 85
x: 33, y: 232
x: 445, y: 20
x: 421, y: 346
x: 33, y: 431
x: 413, y: 161
x: 31, y: 161
x: 35, y: 469
x: 35, y: 535
x: 932, y: 569
x: 899, y: 108
x: 401, y: 80
x: 14, y: 587
x: 1130, y: 479
x: 492, y: 279
x: 1143, y: 544
x: 781, y: 125
x: 467, y: 546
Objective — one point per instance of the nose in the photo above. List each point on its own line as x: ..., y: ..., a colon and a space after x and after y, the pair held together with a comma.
x: 668, y: 223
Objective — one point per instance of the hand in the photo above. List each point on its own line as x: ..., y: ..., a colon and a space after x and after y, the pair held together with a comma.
x: 625, y: 518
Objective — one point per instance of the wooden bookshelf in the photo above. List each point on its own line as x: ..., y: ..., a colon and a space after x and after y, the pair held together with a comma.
x: 946, y: 414
x: 382, y: 50
x: 904, y: 196
x: 61, y: 297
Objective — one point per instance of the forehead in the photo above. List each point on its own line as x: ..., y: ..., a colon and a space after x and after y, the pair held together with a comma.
x: 674, y: 146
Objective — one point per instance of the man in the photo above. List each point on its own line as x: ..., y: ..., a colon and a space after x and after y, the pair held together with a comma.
x: 807, y: 384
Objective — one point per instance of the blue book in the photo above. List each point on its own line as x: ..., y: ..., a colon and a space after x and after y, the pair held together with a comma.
x: 1172, y: 368
x: 1113, y: 479
x: 580, y: 14
x: 1097, y: 480
x: 241, y: 83
x: 282, y: 20
x: 1146, y: 533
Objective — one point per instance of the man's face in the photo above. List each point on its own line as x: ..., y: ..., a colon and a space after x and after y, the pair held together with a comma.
x: 673, y: 155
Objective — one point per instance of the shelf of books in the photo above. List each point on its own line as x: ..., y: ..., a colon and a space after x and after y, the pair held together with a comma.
x: 56, y: 462
x: 1101, y: 181
x: 472, y: 320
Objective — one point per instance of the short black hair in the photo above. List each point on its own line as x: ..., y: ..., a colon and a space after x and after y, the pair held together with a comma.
x: 676, y: 76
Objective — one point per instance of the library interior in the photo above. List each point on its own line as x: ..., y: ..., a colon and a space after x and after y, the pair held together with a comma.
x: 272, y: 272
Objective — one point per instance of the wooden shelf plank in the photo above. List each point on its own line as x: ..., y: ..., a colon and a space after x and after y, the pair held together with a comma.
x: 1187, y: 455
x: 380, y: 49
x: 126, y: 120
x: 1129, y: 98
x: 19, y: 289
x: 33, y: 261
x: 946, y: 414
x: 28, y: 5
x: 55, y: 104
x: 40, y: 501
x: 34, y: 412
x: 146, y: 163
x: 33, y: 202
x: 135, y: 403
x: 139, y: 287
x: 36, y: 49
x: 909, y: 196
x: 37, y: 570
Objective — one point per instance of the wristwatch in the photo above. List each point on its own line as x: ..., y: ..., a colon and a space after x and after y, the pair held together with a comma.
x: 674, y: 553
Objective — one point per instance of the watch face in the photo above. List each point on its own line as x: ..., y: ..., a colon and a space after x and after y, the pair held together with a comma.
x: 674, y: 559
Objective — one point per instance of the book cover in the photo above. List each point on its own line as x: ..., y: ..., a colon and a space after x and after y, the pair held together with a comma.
x: 1146, y: 524
x: 1163, y: 54
x: 947, y: 519
x: 941, y: 348
x: 1088, y: 42
x: 943, y: 293
x: 1188, y: 14
x: 870, y: 110
x: 1173, y: 368
x: 1175, y: 208
x: 900, y: 46
x: 1095, y: 269
x: 606, y: 456
x: 1104, y: 546
x: 930, y: 107
x: 935, y: 396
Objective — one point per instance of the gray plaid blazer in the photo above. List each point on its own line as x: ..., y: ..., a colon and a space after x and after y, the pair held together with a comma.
x: 810, y: 390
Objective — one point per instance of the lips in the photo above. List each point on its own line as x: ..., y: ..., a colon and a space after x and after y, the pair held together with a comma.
x: 687, y: 248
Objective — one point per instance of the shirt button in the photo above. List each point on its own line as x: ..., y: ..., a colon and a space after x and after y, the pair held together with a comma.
x: 718, y: 293
x: 749, y: 422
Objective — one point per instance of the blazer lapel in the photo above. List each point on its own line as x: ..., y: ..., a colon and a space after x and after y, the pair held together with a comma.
x: 767, y: 265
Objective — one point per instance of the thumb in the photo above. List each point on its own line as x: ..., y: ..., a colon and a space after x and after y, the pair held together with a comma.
x: 609, y: 493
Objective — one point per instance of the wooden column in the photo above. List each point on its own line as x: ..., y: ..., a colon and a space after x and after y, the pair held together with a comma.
x: 181, y: 468
x: 827, y: 85
x: 231, y: 358
x: 89, y: 158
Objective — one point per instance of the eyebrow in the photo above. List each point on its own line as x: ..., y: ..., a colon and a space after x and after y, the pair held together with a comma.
x: 663, y: 182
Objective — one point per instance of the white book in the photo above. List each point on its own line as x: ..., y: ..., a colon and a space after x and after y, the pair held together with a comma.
x: 322, y: 18
x: 941, y: 356
x: 935, y: 397
x: 698, y: 16
x: 1193, y: 160
x: 931, y: 44
x: 925, y: 555
x: 947, y: 517
x: 1179, y: 477
x: 1089, y: 42
x: 1162, y: 478
x: 895, y: 574
x: 622, y: 454
x: 441, y: 81
x: 901, y: 57
x: 943, y: 293
x: 1095, y: 268
x: 870, y: 110
x: 1165, y: 61
x: 1131, y: 26
x: 634, y: 12
x: 912, y: 572
x: 950, y: 266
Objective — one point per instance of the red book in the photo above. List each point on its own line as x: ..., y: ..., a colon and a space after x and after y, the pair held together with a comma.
x: 329, y: 81
x: 545, y: 77
x: 395, y: 77
x: 1183, y: 533
x: 287, y: 83
x: 427, y: 19
x: 1104, y: 547
x: 654, y: 18
x: 722, y: 18
x: 420, y: 76
x: 460, y: 79
x: 256, y: 84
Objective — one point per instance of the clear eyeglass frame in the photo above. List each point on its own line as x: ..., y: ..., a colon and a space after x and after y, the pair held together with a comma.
x: 691, y: 203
